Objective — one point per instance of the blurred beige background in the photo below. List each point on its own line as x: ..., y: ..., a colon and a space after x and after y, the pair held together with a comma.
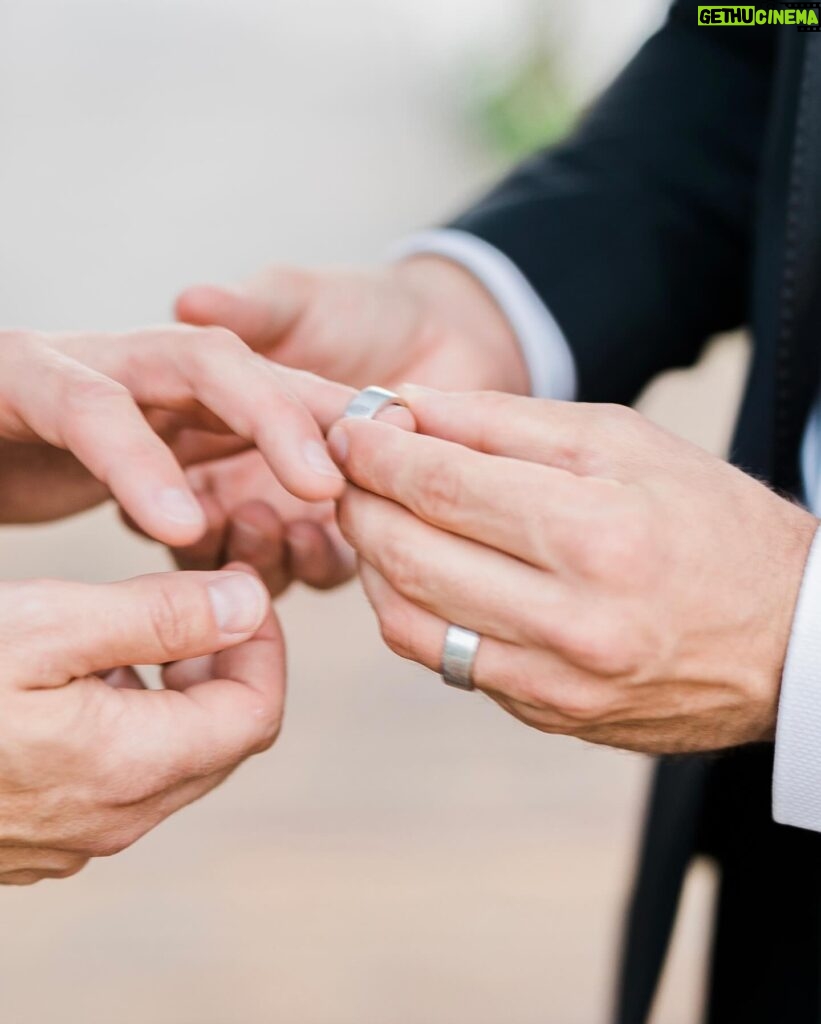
x: 406, y: 854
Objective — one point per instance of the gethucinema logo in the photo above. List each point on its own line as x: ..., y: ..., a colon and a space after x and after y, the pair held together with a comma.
x: 803, y: 16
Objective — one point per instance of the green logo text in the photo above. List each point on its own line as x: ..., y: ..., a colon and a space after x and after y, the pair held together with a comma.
x: 802, y: 17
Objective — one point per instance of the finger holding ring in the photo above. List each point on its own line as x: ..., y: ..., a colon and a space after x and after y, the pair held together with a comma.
x: 370, y: 402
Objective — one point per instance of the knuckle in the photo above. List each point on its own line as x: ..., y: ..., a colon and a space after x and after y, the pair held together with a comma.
x: 111, y: 842
x: 540, y: 623
x: 172, y: 621
x: 22, y: 877
x: 37, y: 604
x: 540, y: 630
x: 498, y: 406
x: 71, y: 866
x: 529, y: 689
x: 83, y: 391
x: 615, y: 549
x: 588, y: 431
x: 121, y: 783
x: 395, y: 629
x: 84, y: 399
x: 107, y: 846
x: 219, y: 339
x: 582, y: 705
x: 609, y: 650
x: 269, y: 719
x: 402, y: 568
x: 614, y: 417
x: 502, y: 402
x: 440, y: 491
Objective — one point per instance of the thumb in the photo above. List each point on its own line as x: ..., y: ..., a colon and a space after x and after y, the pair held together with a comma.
x: 53, y: 632
x: 260, y: 312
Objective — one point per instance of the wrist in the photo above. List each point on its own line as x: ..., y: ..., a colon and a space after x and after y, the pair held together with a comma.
x: 454, y: 301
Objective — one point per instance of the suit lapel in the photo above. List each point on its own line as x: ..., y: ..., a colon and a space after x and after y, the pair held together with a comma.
x: 798, y: 358
x: 785, y: 315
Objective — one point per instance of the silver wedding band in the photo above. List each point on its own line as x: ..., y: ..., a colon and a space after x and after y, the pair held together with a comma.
x: 458, y: 656
x: 370, y: 402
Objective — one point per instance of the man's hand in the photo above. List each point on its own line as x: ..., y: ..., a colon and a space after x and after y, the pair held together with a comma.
x: 629, y: 588
x: 87, y: 415
x: 253, y: 519
x: 88, y: 766
x: 425, y: 320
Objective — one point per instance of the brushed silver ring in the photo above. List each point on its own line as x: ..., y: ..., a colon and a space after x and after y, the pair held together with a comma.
x: 370, y: 402
x: 458, y: 656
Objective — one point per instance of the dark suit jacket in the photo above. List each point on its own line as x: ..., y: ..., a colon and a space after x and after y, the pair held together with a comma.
x: 688, y: 202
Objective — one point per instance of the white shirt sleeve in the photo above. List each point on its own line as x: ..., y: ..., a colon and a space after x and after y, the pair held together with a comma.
x: 797, y: 775
x: 546, y: 352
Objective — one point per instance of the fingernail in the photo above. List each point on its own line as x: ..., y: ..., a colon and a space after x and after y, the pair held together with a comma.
x: 318, y: 459
x: 179, y: 506
x: 338, y: 442
x: 239, y: 603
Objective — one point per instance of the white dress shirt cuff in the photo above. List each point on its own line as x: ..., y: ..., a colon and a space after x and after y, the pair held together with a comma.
x: 546, y: 352
x: 797, y: 775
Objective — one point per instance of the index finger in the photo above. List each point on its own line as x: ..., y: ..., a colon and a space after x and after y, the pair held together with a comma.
x: 189, y: 370
x: 586, y: 439
x: 524, y: 509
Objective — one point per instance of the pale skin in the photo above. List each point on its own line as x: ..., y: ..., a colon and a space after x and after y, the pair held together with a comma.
x: 425, y: 320
x: 88, y: 416
x: 651, y: 605
x: 629, y: 588
x: 89, y: 761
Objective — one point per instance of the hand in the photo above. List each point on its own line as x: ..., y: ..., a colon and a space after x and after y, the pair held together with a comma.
x: 253, y: 519
x: 629, y: 588
x: 425, y: 319
x: 85, y: 415
x: 89, y: 766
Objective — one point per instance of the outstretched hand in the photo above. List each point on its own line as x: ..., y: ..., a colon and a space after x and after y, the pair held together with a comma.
x: 87, y: 415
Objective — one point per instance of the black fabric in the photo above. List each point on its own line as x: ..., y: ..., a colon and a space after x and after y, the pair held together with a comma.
x: 675, y: 811
x: 767, y: 945
x: 638, y: 230
x: 689, y: 202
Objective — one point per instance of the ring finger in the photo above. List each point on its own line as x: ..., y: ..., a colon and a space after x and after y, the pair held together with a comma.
x: 553, y: 694
x: 455, y: 578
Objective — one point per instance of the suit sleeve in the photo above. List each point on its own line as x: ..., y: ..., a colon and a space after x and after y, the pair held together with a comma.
x: 636, y: 232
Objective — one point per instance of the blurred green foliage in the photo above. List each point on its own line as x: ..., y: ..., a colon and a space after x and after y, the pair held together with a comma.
x: 527, y: 103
